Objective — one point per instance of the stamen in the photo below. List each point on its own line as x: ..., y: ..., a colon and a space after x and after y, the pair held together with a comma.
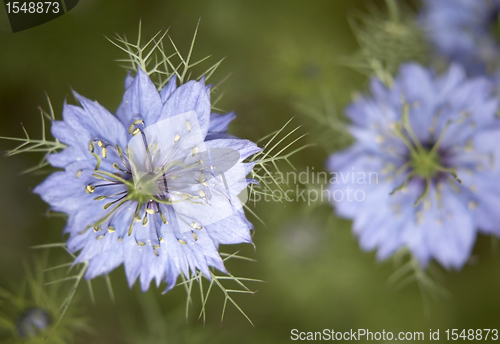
x: 182, y: 242
x: 89, y: 189
x: 100, y: 237
x: 472, y: 205
x: 136, y: 131
x: 450, y: 171
x: 156, y: 253
x: 120, y: 239
x: 195, y: 236
x: 123, y: 200
x: 97, y: 228
x: 161, y: 239
x: 107, y: 205
x: 78, y: 174
x: 111, y: 229
x: 140, y: 243
x: 104, y: 152
x: 145, y: 220
x: 195, y: 150
x: 100, y: 198
x: 91, y: 146
x: 420, y: 217
x: 176, y: 138
x: 426, y: 190
x: 100, y: 144
x: 468, y: 146
x: 403, y: 185
x: 156, y: 247
x: 409, y: 129
x: 120, y: 152
x: 164, y: 220
x: 98, y: 159
x: 131, y: 128
x: 150, y: 211
x: 98, y: 176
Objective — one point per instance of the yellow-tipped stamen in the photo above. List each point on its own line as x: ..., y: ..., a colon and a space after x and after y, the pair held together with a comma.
x: 426, y: 191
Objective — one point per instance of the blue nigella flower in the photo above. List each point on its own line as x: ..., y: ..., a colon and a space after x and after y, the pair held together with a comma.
x: 423, y: 171
x: 167, y: 186
x: 464, y: 31
x: 33, y: 321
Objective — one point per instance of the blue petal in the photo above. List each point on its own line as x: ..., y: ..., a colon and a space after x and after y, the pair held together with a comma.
x: 188, y: 97
x: 104, y: 263
x: 129, y: 79
x: 231, y: 230
x: 215, y: 136
x: 220, y: 123
x: 140, y: 101
x: 169, y: 88
x: 246, y: 148
x: 80, y: 126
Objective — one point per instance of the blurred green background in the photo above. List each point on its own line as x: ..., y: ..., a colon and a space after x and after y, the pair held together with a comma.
x: 279, y: 52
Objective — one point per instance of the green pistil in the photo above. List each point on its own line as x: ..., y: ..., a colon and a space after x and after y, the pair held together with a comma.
x: 425, y: 163
x: 142, y: 190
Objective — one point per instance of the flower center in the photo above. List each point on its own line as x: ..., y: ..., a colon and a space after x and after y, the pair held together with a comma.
x: 167, y: 172
x: 424, y: 162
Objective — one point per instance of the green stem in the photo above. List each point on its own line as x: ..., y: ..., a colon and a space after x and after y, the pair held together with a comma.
x: 393, y: 10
